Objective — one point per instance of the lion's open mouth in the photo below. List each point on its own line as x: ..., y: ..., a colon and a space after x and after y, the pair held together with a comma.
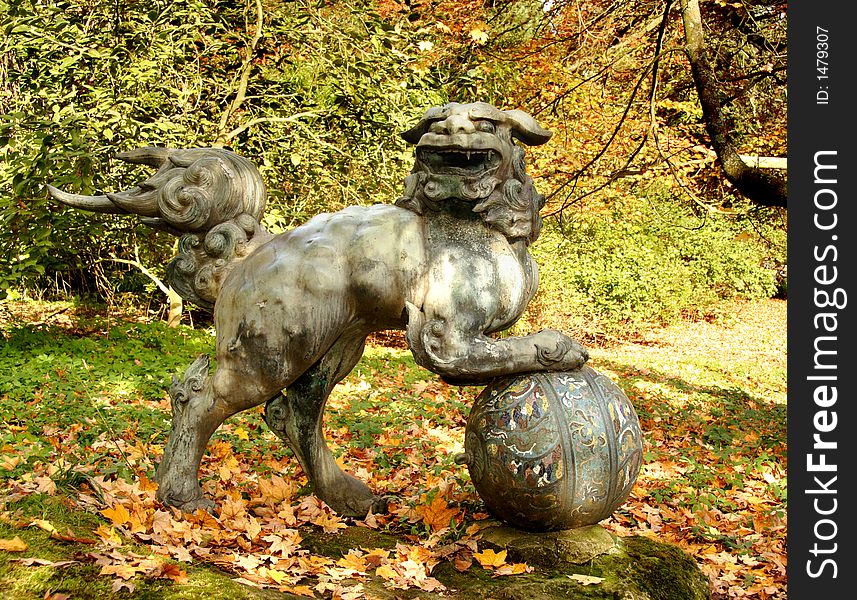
x: 456, y: 161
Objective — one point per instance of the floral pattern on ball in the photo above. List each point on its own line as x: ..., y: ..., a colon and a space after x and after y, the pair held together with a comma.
x: 551, y: 451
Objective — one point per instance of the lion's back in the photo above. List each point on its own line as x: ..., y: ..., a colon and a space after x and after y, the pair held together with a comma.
x: 360, y: 260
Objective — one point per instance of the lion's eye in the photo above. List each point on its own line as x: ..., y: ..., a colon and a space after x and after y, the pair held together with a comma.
x: 486, y: 126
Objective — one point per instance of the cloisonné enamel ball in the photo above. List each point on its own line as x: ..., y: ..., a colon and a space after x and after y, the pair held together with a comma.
x: 551, y: 451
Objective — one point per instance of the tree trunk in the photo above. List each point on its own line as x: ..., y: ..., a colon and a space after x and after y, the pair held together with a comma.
x: 761, y: 187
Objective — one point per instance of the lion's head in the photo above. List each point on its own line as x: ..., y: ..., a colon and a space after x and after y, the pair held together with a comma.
x: 467, y: 152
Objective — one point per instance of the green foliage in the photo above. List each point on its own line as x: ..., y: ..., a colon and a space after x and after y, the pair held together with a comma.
x: 315, y: 96
x: 629, y: 264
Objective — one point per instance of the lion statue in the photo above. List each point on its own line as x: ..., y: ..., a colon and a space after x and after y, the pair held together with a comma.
x: 447, y: 263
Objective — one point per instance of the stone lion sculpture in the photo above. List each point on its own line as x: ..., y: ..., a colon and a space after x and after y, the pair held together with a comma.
x: 447, y: 263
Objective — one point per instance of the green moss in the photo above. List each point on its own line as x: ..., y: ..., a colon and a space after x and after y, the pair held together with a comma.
x: 82, y: 581
x: 662, y: 571
x: 337, y: 545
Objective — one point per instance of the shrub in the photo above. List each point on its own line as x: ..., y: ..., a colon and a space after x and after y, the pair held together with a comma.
x: 612, y: 271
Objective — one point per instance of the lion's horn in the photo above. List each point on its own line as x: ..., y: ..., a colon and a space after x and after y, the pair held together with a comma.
x: 526, y: 129
x: 151, y: 155
x: 99, y: 204
x: 137, y: 201
x: 414, y: 134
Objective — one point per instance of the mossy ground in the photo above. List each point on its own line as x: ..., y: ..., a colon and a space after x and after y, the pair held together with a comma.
x: 661, y: 571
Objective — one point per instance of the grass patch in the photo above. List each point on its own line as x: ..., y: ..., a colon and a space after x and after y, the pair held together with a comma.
x: 84, y: 416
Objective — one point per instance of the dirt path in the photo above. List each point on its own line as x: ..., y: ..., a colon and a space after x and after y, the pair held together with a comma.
x: 752, y: 331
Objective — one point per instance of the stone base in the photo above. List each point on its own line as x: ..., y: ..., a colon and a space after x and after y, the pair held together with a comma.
x: 632, y: 568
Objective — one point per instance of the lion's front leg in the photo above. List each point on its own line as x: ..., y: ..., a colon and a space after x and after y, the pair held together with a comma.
x: 459, y: 354
x: 200, y: 404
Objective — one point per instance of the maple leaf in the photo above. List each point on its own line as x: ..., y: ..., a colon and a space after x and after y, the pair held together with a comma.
x: 375, y: 557
x: 437, y: 514
x: 45, y: 485
x: 248, y: 562
x: 171, y: 572
x: 512, y: 569
x: 122, y: 570
x: 354, y: 561
x: 252, y: 528
x: 285, y: 546
x: 354, y: 592
x: 108, y: 535
x: 276, y: 490
x: 479, y: 36
x: 462, y: 563
x: 228, y: 467
x: 117, y: 514
x: 10, y: 462
x: 489, y: 558
x: 41, y: 562
x: 180, y: 553
x: 70, y: 536
x: 232, y: 508
x: 300, y: 590
x: 16, y: 544
x: 387, y: 572
x: 329, y: 522
x: 145, y: 484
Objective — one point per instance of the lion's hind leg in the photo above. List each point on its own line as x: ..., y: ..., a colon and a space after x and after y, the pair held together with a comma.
x: 296, y: 417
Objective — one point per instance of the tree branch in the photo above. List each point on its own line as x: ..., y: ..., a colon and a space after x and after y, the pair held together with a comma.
x: 761, y: 187
x: 243, y: 79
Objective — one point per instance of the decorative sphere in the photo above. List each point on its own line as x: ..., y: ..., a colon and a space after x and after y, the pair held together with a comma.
x: 550, y: 451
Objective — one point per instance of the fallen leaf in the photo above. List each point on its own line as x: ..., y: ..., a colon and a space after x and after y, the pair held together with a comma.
x: 16, y: 544
x: 386, y: 572
x: 329, y: 522
x: 462, y: 563
x: 41, y: 562
x: 353, y: 561
x: 43, y: 525
x: 70, y: 536
x: 276, y: 490
x: 171, y: 572
x: 9, y: 462
x: 586, y: 579
x: 123, y: 570
x: 119, y: 584
x: 117, y: 514
x: 180, y: 553
x: 479, y: 36
x: 437, y: 514
x: 108, y: 535
x: 513, y: 569
x: 489, y: 558
x: 45, y: 485
x: 300, y: 590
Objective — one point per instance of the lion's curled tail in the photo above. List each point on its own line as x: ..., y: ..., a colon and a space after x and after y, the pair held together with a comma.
x: 210, y: 197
